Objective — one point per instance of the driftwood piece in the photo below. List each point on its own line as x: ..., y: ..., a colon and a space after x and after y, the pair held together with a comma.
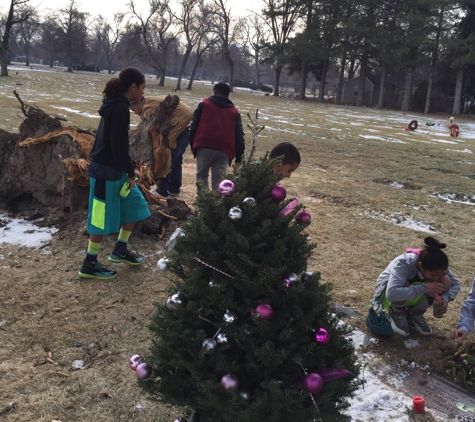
x: 150, y: 143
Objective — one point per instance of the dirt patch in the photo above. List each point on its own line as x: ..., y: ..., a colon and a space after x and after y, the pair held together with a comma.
x: 327, y: 199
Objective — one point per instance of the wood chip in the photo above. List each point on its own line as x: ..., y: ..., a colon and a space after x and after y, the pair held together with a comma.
x: 158, y: 290
x: 50, y: 355
x: 56, y: 309
x: 114, y: 329
x: 49, y: 360
x: 62, y: 374
x: 98, y: 356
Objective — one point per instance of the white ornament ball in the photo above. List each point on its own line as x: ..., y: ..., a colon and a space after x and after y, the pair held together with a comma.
x: 162, y: 264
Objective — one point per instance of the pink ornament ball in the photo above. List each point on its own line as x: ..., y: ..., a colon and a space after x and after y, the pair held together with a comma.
x: 143, y: 371
x: 265, y: 311
x: 313, y: 383
x: 226, y: 187
x: 303, y: 217
x: 230, y: 382
x: 134, y: 361
x: 322, y: 336
x: 278, y: 193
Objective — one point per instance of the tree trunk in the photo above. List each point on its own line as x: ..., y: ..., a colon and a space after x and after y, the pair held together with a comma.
x: 406, y: 101
x: 258, y: 72
x: 278, y: 69
x: 27, y: 54
x: 323, y: 83
x: 362, y: 81
x: 381, y: 88
x: 162, y: 79
x: 193, y: 73
x: 303, y: 83
x: 6, y: 42
x: 429, y: 91
x: 351, y: 70
x: 457, y: 108
x: 341, y: 77
x: 231, y: 71
x: 182, y: 68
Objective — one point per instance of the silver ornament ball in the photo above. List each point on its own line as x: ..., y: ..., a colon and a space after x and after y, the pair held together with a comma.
x: 249, y: 202
x: 292, y: 277
x: 209, y: 345
x: 235, y: 213
x: 162, y: 264
x: 174, y: 302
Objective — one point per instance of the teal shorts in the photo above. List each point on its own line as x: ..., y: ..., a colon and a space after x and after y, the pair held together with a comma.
x: 108, y: 210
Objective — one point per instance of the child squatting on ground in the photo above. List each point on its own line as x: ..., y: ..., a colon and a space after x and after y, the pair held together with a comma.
x: 290, y: 158
x: 110, y: 210
x: 408, y: 285
x: 467, y: 316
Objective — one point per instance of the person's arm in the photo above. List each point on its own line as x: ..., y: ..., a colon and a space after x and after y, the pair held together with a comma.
x: 119, y: 134
x: 467, y: 313
x: 400, y: 273
x: 240, y: 143
x: 195, y: 120
x: 454, y: 287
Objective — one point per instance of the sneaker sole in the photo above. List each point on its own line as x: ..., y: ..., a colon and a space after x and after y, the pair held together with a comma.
x: 119, y: 260
x: 418, y: 329
x: 84, y: 275
x: 398, y: 330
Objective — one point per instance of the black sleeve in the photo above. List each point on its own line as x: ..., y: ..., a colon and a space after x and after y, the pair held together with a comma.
x: 195, y: 120
x: 119, y: 135
x: 240, y: 143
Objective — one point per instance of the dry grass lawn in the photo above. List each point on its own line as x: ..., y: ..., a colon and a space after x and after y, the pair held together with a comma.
x: 360, y: 170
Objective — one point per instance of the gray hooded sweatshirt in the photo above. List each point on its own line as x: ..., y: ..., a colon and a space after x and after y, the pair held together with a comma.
x: 401, y: 269
x: 467, y: 313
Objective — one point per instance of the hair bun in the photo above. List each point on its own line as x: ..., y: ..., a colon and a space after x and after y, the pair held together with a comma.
x: 432, y: 243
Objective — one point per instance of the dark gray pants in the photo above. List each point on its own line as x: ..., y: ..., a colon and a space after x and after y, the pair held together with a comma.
x: 214, y: 159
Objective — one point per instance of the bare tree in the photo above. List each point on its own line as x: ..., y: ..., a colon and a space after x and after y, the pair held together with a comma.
x: 227, y: 30
x: 28, y: 28
x: 97, y: 41
x: 72, y: 24
x: 154, y: 31
x: 111, y: 35
x: 190, y: 20
x: 281, y: 16
x: 257, y: 35
x: 206, y: 41
x: 12, y: 19
x: 50, y: 39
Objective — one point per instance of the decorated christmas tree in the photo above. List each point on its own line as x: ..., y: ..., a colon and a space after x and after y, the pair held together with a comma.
x: 247, y: 333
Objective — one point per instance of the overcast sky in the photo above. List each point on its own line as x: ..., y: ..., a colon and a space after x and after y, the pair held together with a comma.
x: 108, y: 8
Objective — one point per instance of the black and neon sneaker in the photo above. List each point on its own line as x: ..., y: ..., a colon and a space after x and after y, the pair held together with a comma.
x: 419, y: 323
x: 96, y: 270
x: 126, y: 256
x: 398, y: 320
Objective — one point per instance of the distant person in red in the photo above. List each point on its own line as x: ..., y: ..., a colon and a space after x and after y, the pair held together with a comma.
x: 216, y: 136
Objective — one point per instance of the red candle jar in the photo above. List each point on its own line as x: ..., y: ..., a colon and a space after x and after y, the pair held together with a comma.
x: 418, y: 404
